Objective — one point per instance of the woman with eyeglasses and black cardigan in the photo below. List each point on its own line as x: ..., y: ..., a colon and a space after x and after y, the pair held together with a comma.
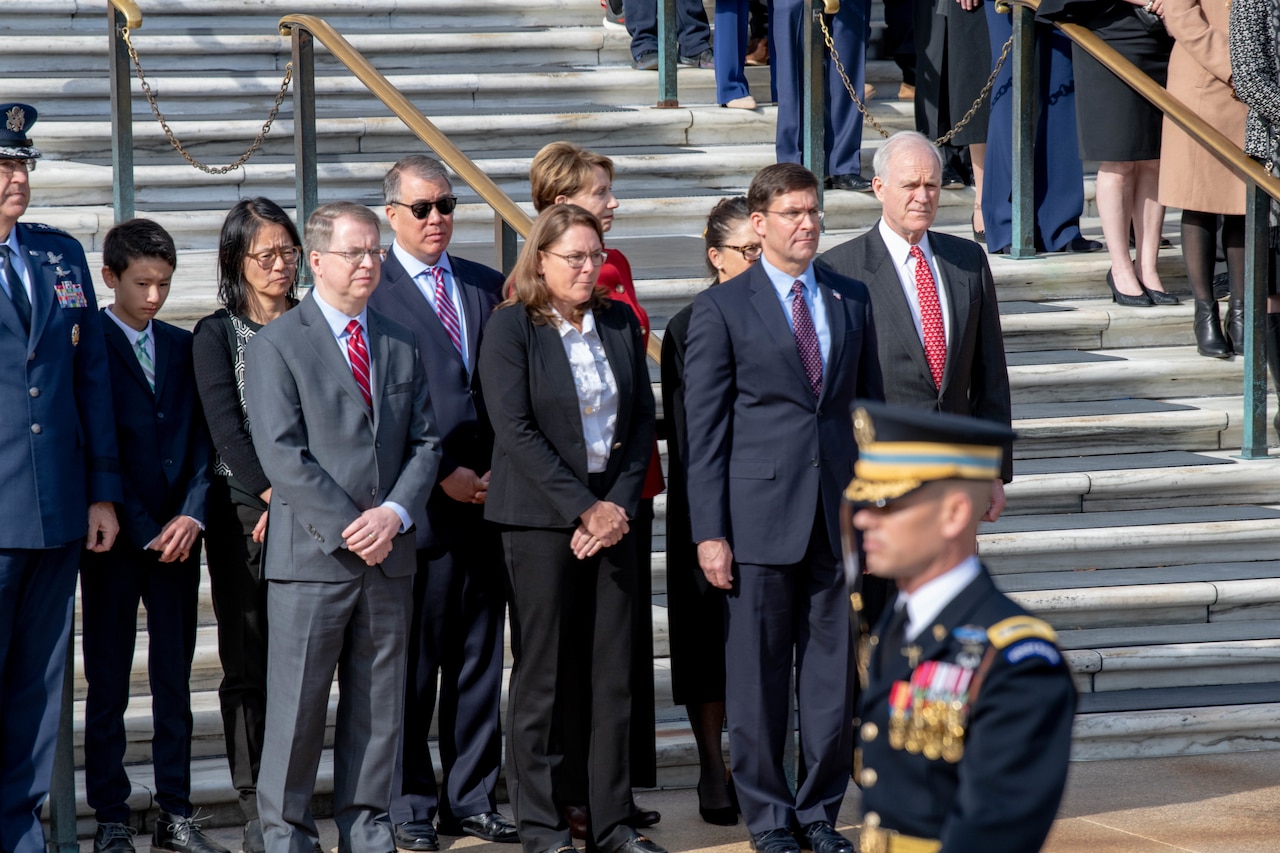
x: 258, y: 255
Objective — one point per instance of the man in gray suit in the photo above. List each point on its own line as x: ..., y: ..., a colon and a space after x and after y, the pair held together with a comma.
x: 937, y: 324
x: 343, y: 426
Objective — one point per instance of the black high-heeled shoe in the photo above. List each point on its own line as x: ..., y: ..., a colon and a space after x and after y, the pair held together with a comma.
x: 1210, y: 341
x: 1234, y: 325
x: 1159, y: 297
x: 978, y: 236
x: 1125, y: 299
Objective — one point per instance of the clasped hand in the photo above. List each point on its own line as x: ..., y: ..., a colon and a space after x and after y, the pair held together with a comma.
x: 602, y: 526
x: 370, y: 536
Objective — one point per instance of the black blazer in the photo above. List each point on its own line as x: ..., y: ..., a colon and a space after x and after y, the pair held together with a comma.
x: 165, y: 450
x: 466, y: 437
x: 539, y: 456
x: 975, y: 381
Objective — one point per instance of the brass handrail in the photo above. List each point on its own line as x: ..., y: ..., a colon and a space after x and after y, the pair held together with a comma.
x: 404, y: 109
x: 1179, y: 113
x: 132, y: 14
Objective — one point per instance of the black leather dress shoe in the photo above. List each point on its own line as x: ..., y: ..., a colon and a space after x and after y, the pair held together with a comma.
x: 639, y: 844
x: 855, y: 183
x: 489, y: 826
x: 179, y: 834
x: 642, y: 818
x: 113, y: 838
x: 253, y: 841
x: 821, y: 837
x: 1079, y: 245
x: 775, y: 841
x: 416, y: 835
x: 951, y: 179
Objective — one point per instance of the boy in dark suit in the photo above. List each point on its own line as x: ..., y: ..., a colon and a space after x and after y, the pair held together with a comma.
x: 164, y: 462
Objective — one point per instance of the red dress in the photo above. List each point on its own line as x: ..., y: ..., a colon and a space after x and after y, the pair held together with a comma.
x: 615, y: 279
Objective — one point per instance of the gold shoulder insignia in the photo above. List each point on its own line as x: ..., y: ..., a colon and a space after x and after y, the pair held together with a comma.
x: 1009, y: 631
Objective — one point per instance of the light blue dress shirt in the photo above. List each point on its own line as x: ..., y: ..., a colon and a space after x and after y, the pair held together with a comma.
x: 817, y: 307
x: 415, y: 268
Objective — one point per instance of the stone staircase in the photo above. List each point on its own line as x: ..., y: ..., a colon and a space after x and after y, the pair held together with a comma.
x: 1131, y: 524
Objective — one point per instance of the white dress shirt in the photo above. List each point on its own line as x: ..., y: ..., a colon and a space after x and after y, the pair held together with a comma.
x: 597, y: 388
x: 924, y: 605
x: 416, y: 270
x: 905, y: 266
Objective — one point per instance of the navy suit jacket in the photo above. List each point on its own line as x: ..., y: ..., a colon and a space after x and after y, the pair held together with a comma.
x: 466, y: 438
x: 762, y: 451
x: 164, y: 445
x: 975, y: 380
x: 58, y: 452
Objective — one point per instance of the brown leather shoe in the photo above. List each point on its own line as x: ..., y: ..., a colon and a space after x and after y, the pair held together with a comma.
x: 758, y: 52
x: 577, y: 817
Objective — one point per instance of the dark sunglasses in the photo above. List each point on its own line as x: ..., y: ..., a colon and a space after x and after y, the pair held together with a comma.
x: 422, y: 209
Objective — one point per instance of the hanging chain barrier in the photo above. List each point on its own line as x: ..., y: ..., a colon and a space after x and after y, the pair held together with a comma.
x: 870, y: 119
x: 177, y: 144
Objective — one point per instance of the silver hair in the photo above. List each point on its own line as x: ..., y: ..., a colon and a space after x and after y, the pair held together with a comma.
x: 903, y: 139
x: 419, y: 166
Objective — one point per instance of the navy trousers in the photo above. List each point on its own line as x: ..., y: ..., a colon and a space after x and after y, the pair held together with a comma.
x: 459, y: 608
x: 1059, y: 176
x: 111, y: 585
x: 36, y: 588
x: 775, y: 612
x: 693, y: 31
x: 843, y: 121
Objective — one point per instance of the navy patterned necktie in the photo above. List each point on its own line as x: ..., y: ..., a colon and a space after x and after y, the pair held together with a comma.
x: 806, y: 338
x: 17, y: 290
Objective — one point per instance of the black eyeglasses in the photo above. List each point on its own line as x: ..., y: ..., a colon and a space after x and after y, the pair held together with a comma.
x: 422, y: 209
x: 751, y: 253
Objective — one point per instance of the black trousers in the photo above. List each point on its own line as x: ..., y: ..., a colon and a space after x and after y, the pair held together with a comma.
x: 459, y: 608
x: 240, y: 603
x: 554, y: 597
x: 111, y: 585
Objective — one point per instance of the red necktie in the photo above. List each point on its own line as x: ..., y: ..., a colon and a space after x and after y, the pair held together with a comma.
x: 359, y: 355
x: 806, y: 338
x: 444, y: 308
x: 935, y: 334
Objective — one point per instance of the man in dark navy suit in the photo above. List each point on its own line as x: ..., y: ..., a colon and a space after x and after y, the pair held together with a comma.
x: 775, y: 359
x: 459, y: 592
x: 967, y: 703
x: 164, y: 459
x: 59, y: 470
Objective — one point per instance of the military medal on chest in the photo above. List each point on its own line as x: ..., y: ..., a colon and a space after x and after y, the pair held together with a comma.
x: 928, y: 714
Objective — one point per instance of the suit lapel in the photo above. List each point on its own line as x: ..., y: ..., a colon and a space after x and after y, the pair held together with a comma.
x: 837, y: 326
x: 765, y: 300
x: 473, y: 309
x: 958, y: 287
x: 120, y: 343
x: 43, y: 278
x: 328, y: 351
x: 621, y: 353
x: 894, y: 315
x: 163, y: 352
x: 380, y: 363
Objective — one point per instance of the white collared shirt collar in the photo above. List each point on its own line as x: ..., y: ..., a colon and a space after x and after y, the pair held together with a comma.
x: 338, y: 321
x: 414, y: 267
x: 900, y: 253
x: 133, y: 334
x: 924, y: 605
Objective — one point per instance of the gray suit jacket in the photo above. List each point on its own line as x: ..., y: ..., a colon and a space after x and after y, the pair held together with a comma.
x: 976, y: 380
x: 329, y: 457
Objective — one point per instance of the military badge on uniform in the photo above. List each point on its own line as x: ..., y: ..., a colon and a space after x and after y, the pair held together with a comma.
x: 75, y: 334
x: 927, y: 715
x: 53, y: 258
x: 70, y: 294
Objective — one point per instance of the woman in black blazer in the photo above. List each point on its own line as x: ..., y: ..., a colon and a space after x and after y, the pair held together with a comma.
x: 573, y: 418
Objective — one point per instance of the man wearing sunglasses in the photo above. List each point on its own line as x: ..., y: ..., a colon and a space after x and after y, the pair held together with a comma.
x: 459, y: 599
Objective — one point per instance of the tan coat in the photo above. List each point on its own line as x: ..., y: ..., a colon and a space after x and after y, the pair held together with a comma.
x: 1190, y: 177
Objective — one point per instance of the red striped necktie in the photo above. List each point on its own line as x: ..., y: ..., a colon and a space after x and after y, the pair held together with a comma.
x: 444, y: 308
x: 358, y: 353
